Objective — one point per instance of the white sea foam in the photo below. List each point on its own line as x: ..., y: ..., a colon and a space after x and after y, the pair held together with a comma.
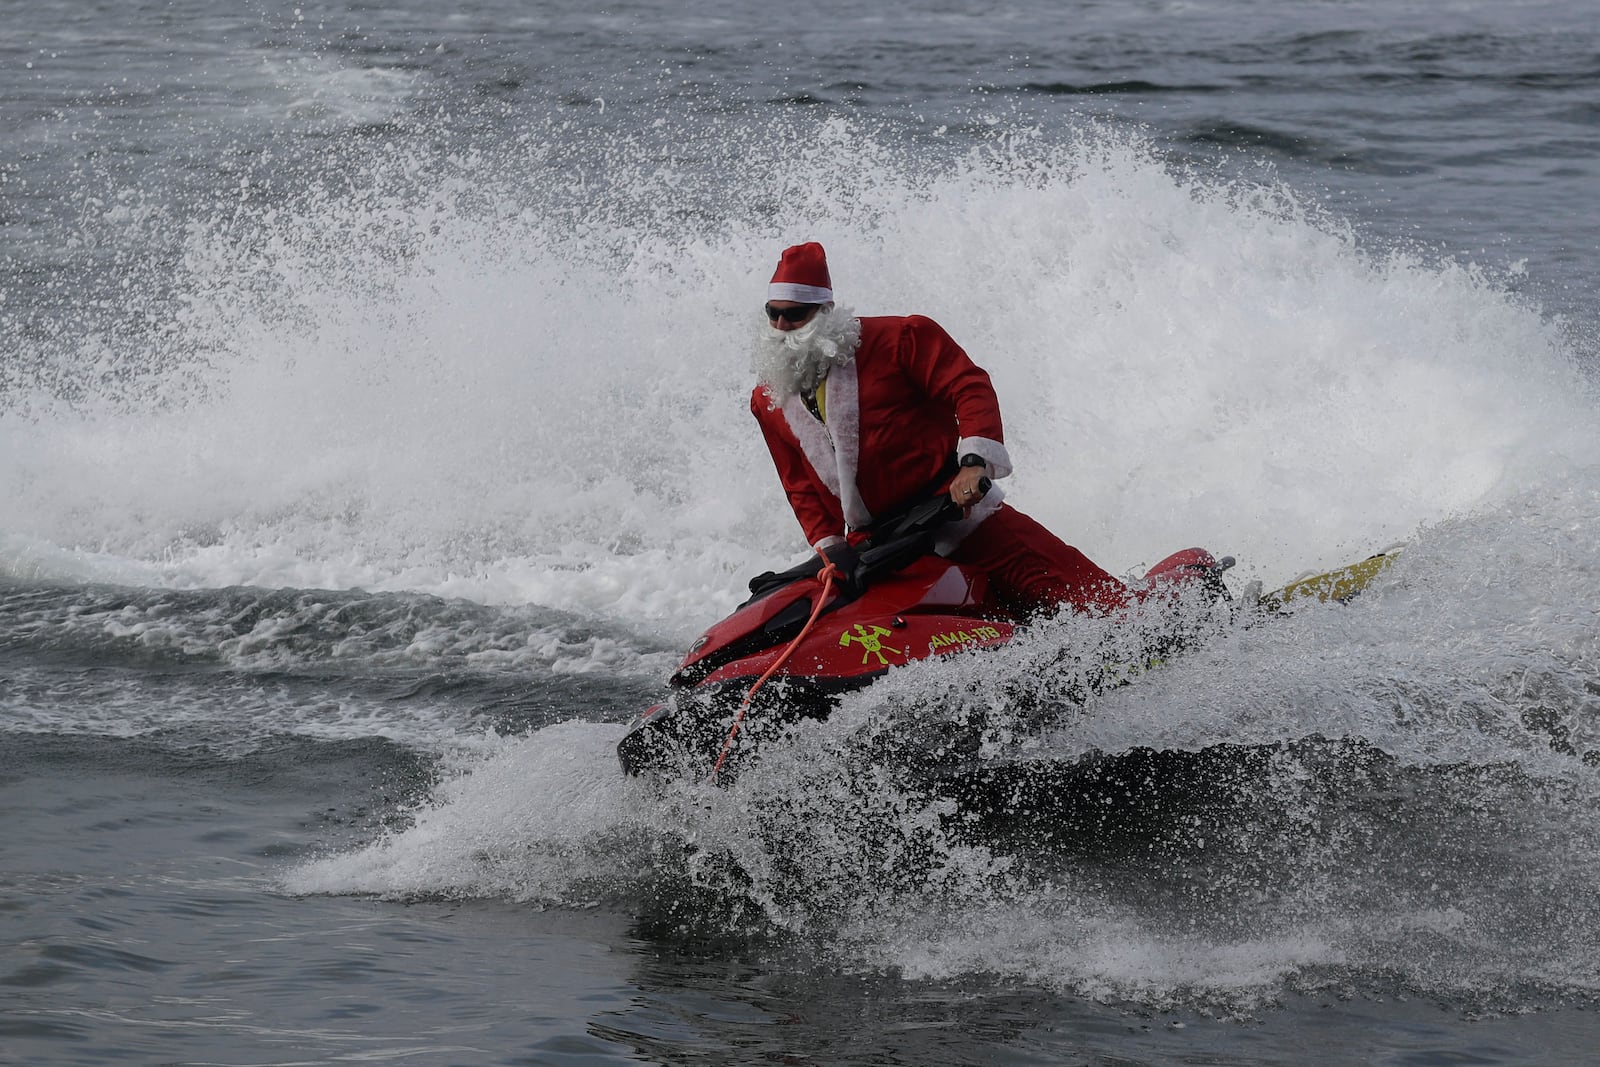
x: 319, y: 91
x: 1433, y: 668
x: 474, y: 378
x: 449, y: 383
x: 825, y: 846
x: 524, y: 822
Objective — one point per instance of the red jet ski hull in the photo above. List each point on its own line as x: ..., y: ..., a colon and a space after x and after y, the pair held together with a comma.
x: 924, y: 609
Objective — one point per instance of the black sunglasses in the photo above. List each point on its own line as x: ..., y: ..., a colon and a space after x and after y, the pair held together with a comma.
x: 799, y: 313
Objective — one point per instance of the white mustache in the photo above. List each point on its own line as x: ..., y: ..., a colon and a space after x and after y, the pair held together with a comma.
x: 795, y: 361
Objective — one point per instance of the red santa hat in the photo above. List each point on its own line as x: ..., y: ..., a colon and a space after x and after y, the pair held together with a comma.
x: 802, y: 276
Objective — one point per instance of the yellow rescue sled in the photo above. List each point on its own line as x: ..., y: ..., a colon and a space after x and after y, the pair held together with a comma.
x: 1341, y: 585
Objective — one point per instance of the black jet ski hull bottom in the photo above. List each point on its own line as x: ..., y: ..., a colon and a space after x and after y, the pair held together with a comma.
x: 686, y: 735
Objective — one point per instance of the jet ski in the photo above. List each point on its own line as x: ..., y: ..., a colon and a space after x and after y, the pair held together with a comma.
x: 809, y: 634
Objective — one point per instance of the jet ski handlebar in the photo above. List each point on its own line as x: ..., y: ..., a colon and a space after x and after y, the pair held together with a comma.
x: 892, y: 543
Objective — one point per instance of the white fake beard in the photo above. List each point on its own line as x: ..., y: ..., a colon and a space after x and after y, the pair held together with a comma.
x: 790, y: 362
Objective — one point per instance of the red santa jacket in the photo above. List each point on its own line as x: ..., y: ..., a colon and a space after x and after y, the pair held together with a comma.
x: 909, y: 403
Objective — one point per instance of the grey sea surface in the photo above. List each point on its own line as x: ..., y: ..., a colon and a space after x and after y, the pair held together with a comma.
x: 373, y: 441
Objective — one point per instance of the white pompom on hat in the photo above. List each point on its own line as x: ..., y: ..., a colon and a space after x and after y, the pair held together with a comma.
x: 802, y: 276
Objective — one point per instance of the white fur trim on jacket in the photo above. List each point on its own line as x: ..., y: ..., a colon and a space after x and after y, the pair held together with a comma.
x: 834, y: 450
x: 844, y: 422
x: 814, y: 441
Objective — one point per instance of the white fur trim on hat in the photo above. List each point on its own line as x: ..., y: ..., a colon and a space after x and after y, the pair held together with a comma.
x: 800, y: 294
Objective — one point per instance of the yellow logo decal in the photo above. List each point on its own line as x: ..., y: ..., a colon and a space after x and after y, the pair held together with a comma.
x: 871, y: 642
x: 956, y: 638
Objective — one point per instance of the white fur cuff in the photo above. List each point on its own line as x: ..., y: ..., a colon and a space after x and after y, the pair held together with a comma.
x: 993, y: 453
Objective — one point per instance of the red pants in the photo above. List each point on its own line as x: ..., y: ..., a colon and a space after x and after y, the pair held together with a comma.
x: 1030, y: 569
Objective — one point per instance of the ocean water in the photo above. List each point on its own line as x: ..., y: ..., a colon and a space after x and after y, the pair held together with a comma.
x: 373, y: 441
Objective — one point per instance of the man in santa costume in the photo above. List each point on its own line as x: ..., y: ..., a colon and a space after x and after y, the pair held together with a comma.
x: 867, y: 416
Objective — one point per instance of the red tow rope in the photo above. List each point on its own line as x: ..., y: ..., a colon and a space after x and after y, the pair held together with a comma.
x: 826, y: 576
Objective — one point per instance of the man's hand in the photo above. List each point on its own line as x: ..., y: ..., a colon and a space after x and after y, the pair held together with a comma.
x: 844, y: 557
x: 965, y: 489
